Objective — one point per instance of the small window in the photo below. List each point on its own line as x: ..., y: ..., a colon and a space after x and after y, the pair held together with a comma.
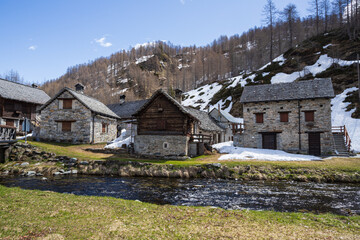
x: 66, y: 126
x: 284, y: 117
x: 105, y: 127
x: 67, y: 104
x: 309, y: 116
x: 259, y: 117
x: 165, y: 145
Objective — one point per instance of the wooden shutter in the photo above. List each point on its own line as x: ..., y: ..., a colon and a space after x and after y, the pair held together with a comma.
x: 309, y: 116
x: 103, y: 127
x: 284, y: 117
x: 259, y: 117
x: 66, y: 126
x: 67, y: 104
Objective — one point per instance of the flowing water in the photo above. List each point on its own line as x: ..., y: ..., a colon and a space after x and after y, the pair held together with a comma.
x: 227, y: 194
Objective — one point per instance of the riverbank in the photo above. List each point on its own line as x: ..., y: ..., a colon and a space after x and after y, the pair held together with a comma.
x: 36, y: 160
x: 31, y: 214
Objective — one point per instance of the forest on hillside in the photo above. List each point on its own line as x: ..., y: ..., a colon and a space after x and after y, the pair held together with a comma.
x: 139, y: 71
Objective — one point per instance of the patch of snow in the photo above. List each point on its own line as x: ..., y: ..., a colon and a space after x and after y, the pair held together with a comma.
x: 233, y: 153
x: 280, y: 59
x: 285, y: 78
x: 120, y: 80
x: 329, y: 45
x: 231, y: 118
x: 143, y: 59
x: 119, y: 92
x: 23, y: 137
x: 118, y: 144
x: 341, y: 117
x: 195, y: 100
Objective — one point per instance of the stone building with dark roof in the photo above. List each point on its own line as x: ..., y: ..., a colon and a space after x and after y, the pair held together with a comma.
x: 294, y: 117
x: 125, y: 110
x: 168, y: 129
x: 71, y: 116
x: 19, y: 101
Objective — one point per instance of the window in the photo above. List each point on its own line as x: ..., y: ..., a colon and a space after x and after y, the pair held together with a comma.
x: 10, y: 122
x: 67, y: 104
x: 66, y: 126
x: 284, y: 117
x: 259, y: 117
x: 105, y: 127
x: 309, y: 116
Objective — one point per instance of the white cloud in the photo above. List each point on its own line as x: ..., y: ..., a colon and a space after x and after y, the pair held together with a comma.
x: 32, y: 48
x: 102, y: 42
x: 182, y: 2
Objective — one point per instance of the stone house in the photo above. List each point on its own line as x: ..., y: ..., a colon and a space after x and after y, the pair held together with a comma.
x: 168, y: 129
x: 226, y: 121
x: 294, y: 117
x: 71, y: 116
x: 125, y: 110
x: 19, y: 101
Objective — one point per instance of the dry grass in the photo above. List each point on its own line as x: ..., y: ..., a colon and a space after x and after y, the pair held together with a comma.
x: 28, y: 214
x: 78, y: 151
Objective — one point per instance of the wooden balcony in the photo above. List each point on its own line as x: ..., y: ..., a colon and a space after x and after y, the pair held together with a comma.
x: 7, y: 134
x: 237, y: 128
x: 201, y: 138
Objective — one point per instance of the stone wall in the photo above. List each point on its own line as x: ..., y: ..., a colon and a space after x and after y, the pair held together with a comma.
x: 109, y: 134
x: 81, y: 128
x: 288, y: 132
x: 157, y: 145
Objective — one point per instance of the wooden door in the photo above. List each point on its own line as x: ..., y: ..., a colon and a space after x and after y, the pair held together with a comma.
x: 314, y: 144
x: 269, y: 140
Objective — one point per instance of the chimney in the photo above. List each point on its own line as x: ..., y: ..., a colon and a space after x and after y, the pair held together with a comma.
x: 122, y: 99
x: 34, y: 85
x: 79, y: 88
x: 178, y: 95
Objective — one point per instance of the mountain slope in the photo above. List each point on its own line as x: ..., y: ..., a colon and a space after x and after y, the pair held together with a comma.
x: 327, y: 55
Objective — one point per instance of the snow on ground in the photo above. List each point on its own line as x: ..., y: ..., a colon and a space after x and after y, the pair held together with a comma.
x: 280, y: 59
x: 118, y: 142
x: 231, y: 118
x: 119, y: 92
x: 23, y: 137
x: 143, y: 59
x: 206, y: 91
x: 323, y: 63
x: 340, y: 117
x: 258, y: 154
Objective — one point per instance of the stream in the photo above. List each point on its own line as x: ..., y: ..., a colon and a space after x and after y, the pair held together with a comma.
x: 228, y: 194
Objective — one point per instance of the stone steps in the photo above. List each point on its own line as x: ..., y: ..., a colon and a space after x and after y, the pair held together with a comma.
x: 339, y: 145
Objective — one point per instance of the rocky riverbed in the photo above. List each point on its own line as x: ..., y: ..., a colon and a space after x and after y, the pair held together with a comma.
x: 28, y: 160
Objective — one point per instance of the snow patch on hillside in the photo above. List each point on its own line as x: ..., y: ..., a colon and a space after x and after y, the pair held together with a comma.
x: 201, y: 97
x: 143, y: 59
x: 340, y: 117
x: 323, y: 63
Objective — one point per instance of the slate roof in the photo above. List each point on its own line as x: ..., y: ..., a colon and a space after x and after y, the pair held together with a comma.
x: 21, y: 92
x: 206, y: 122
x: 89, y: 102
x: 310, y: 89
x: 127, y: 109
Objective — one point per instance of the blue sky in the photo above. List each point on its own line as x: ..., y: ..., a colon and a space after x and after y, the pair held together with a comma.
x: 41, y: 38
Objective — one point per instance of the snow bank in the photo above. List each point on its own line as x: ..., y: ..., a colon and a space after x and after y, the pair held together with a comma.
x: 118, y: 142
x: 340, y: 117
x: 23, y: 137
x: 259, y: 154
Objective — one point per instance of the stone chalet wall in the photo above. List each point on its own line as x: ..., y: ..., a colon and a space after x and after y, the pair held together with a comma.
x: 108, y: 136
x: 223, y: 122
x: 81, y: 129
x: 158, y: 145
x: 288, y: 137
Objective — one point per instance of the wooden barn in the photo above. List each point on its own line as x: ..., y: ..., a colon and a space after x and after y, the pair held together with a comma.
x: 168, y: 129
